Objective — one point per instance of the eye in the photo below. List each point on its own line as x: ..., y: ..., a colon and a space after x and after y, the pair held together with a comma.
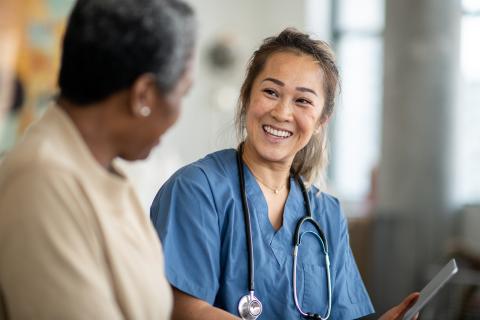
x: 270, y: 92
x: 304, y: 102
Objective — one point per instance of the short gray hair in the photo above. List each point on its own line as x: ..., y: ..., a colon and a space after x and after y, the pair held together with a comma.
x: 109, y: 43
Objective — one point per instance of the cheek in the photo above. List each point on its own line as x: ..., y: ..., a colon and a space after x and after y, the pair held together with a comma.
x: 251, y: 114
x: 172, y: 107
x: 257, y: 108
x: 249, y: 123
x: 166, y: 122
x: 308, y: 122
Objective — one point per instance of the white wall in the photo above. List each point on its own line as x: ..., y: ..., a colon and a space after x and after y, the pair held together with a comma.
x: 206, y: 126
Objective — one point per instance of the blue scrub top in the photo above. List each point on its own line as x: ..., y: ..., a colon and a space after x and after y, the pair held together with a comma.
x: 199, y: 218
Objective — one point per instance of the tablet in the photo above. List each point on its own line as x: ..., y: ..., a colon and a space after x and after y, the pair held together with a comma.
x: 432, y: 288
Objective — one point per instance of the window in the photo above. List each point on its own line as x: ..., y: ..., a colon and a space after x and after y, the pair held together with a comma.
x: 356, y: 127
x: 467, y: 115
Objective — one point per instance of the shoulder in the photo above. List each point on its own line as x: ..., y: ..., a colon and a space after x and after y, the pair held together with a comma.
x: 43, y: 200
x: 41, y: 168
x: 35, y: 176
x: 324, y: 201
x: 327, y: 208
x: 37, y: 187
x: 38, y: 154
x: 217, y: 163
x: 207, y: 182
x: 213, y: 169
x: 37, y: 166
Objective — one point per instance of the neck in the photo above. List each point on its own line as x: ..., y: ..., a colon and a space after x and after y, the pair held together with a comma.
x: 92, y: 123
x: 272, y: 175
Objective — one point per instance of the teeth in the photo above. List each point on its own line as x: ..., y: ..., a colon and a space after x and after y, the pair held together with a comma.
x: 277, y: 133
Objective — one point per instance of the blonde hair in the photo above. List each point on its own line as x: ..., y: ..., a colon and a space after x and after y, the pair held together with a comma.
x: 312, y: 160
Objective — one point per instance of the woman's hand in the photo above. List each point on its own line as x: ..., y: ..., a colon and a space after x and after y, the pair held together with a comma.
x: 397, y: 312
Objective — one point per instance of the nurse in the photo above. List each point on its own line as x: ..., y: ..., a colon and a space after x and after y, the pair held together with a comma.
x: 206, y: 213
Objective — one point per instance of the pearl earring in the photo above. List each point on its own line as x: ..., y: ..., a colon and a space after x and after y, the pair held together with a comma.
x: 144, y: 111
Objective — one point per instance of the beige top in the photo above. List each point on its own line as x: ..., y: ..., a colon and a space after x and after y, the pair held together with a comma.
x: 74, y: 241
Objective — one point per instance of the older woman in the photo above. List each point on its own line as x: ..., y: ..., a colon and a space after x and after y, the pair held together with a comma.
x: 230, y: 222
x: 74, y: 242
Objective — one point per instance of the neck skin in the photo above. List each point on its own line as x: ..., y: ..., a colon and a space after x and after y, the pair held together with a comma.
x: 94, y: 122
x: 273, y: 174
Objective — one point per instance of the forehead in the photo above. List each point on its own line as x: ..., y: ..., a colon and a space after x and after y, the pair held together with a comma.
x: 294, y: 69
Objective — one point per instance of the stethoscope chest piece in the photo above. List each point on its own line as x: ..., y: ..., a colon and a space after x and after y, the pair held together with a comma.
x: 249, y: 307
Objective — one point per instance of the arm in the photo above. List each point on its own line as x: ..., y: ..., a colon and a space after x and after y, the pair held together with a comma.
x: 52, y: 264
x: 186, y: 307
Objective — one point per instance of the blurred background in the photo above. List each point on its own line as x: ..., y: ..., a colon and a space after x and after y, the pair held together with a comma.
x: 405, y: 140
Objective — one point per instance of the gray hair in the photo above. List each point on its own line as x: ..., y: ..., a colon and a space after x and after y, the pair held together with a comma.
x: 110, y: 43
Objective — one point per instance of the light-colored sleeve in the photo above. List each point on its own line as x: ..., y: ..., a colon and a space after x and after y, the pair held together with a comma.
x: 51, y: 260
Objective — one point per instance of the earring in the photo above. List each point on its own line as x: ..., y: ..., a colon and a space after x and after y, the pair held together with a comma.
x: 144, y: 111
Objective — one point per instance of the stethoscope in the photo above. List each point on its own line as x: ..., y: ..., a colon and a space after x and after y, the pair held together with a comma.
x: 249, y: 306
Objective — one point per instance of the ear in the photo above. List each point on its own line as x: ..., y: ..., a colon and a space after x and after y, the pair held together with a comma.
x: 324, y: 119
x: 322, y: 122
x: 142, y: 95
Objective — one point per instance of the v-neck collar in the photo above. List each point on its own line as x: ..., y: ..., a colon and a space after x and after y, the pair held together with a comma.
x: 280, y: 241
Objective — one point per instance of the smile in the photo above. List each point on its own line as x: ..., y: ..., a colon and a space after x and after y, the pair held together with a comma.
x: 276, y: 133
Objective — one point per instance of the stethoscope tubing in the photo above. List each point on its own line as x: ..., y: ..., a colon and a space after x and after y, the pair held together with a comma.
x: 248, y: 224
x: 327, y: 265
x: 296, y: 240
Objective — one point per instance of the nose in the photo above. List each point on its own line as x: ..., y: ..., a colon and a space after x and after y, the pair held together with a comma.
x: 283, y: 111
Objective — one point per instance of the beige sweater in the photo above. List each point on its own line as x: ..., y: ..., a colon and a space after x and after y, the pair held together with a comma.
x: 74, y: 241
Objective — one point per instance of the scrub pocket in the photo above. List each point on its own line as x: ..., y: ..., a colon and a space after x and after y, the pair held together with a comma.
x: 315, y: 294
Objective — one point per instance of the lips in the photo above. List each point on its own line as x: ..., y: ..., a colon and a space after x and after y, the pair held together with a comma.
x: 277, y: 133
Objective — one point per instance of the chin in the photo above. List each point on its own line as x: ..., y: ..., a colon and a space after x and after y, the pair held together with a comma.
x: 134, y: 157
x: 273, y: 155
x: 142, y: 157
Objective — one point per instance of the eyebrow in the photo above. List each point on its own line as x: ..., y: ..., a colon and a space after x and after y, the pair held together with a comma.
x: 280, y: 83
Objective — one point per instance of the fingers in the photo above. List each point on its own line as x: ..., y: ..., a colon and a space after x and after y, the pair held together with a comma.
x: 407, y: 303
x: 410, y: 300
x: 397, y: 312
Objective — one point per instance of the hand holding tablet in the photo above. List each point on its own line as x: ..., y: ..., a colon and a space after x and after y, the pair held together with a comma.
x: 397, y: 312
x: 429, y: 291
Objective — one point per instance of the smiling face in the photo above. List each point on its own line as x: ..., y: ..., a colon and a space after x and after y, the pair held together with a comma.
x: 285, y: 106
